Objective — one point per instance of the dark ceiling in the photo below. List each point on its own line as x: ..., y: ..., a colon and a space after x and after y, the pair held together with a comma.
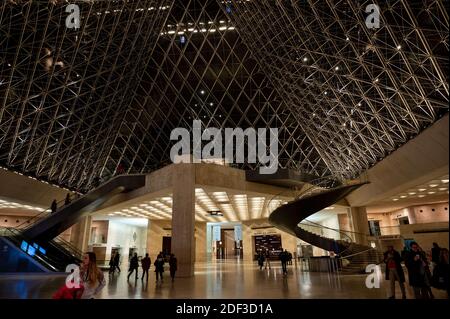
x: 76, y: 105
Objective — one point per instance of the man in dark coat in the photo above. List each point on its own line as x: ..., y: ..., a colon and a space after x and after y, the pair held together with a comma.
x: 145, y: 262
x: 134, y: 265
x: 416, y: 263
x: 159, y: 266
x: 394, y: 271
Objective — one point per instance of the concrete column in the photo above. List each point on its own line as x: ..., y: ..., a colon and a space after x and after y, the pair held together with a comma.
x: 360, y: 224
x: 288, y: 242
x: 183, y: 218
x: 156, y: 230
x: 81, y: 232
x: 411, y: 215
x: 200, y: 242
x: 247, y: 242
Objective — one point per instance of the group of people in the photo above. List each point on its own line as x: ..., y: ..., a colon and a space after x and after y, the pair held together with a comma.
x: 422, y: 274
x: 159, y: 266
x: 54, y: 205
x: 264, y: 260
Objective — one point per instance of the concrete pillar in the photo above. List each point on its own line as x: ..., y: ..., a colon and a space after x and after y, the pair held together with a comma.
x: 411, y: 215
x: 81, y: 232
x: 200, y: 242
x: 183, y: 218
x: 360, y: 224
x: 156, y: 230
x: 288, y: 242
x: 247, y: 242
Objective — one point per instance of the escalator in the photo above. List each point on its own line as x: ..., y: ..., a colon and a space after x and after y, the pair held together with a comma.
x: 292, y: 218
x: 36, y: 244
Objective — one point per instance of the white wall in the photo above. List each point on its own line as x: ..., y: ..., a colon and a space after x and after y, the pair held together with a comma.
x: 331, y: 222
x: 120, y: 234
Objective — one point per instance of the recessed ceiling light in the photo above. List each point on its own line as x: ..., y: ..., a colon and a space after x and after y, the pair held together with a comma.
x: 422, y: 196
x: 422, y: 189
x: 431, y: 193
x: 395, y: 199
x: 412, y: 193
x: 445, y: 181
x: 433, y: 185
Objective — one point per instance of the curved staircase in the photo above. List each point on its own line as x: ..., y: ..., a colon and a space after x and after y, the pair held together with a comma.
x: 292, y: 218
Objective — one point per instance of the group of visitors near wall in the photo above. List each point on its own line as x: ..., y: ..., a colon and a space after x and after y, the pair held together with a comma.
x: 422, y: 274
x: 285, y: 257
x: 159, y: 266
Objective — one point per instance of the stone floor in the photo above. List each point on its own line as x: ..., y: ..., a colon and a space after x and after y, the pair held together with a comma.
x: 218, y: 280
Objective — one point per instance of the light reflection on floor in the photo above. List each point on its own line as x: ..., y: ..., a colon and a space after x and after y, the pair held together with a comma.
x: 218, y: 280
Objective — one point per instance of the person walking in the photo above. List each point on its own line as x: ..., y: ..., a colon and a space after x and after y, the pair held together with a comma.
x: 159, y: 266
x: 92, y: 277
x: 267, y: 259
x: 145, y: 262
x: 261, y: 260
x: 284, y: 260
x: 116, y: 262
x: 173, y: 266
x: 111, y: 264
x: 394, y: 271
x: 54, y: 206
x: 134, y: 266
x: 416, y: 263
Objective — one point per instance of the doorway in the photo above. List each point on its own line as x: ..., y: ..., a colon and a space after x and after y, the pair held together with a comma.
x: 374, y: 228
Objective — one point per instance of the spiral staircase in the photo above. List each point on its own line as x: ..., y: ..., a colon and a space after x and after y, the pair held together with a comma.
x: 292, y: 218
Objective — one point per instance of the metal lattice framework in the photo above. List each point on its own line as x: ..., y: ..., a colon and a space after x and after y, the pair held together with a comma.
x: 357, y: 93
x: 80, y: 104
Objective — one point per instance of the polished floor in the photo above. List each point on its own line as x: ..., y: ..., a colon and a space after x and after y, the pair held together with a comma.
x: 218, y: 280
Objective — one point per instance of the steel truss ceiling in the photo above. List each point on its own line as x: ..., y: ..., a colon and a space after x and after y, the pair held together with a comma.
x: 80, y: 104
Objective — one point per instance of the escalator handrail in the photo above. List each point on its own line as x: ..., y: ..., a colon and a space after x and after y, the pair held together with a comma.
x: 28, y: 222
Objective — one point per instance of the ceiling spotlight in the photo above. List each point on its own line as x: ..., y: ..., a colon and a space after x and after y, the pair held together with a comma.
x: 421, y: 196
x: 433, y: 185
x: 445, y: 181
x: 403, y: 196
x: 211, y: 104
x: 422, y: 189
x: 202, y: 92
x: 431, y: 193
x: 337, y: 68
x: 399, y: 47
x: 347, y: 39
x: 305, y: 59
x: 395, y: 199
